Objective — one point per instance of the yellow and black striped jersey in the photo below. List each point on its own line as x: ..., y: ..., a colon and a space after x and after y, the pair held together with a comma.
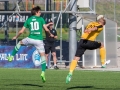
x: 92, y: 35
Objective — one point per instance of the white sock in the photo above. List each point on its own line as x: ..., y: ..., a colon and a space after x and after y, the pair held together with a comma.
x: 55, y: 65
x: 46, y: 64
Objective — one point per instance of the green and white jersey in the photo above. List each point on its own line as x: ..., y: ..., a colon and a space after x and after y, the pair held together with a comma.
x: 35, y: 26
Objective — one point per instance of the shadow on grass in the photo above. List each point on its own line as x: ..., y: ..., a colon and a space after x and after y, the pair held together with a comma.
x: 32, y: 85
x: 90, y: 88
x: 78, y: 87
x: 26, y: 85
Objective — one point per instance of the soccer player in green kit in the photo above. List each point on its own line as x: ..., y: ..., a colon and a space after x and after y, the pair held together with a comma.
x: 35, y: 24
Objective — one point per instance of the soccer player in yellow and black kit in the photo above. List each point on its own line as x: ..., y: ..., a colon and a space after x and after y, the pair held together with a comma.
x: 87, y: 42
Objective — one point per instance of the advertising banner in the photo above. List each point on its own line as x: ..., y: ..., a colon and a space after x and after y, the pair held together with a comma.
x: 11, y: 19
x: 27, y: 57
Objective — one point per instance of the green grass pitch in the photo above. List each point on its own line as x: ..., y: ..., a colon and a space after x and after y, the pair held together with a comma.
x: 29, y: 79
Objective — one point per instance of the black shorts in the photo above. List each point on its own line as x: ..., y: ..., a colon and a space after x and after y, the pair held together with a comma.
x: 49, y: 47
x: 86, y: 45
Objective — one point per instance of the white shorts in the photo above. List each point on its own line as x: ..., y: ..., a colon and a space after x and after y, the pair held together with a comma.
x: 37, y: 43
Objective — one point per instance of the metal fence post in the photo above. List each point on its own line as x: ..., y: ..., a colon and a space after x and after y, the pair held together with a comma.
x: 72, y: 31
x: 61, y: 34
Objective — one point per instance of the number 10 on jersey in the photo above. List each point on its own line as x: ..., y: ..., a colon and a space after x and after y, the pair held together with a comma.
x: 34, y: 26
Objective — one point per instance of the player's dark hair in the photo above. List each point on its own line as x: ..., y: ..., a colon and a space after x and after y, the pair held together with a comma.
x: 35, y: 10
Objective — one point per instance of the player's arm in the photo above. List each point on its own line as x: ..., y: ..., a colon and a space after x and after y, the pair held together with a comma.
x: 22, y: 30
x: 51, y: 23
x: 93, y: 29
x: 47, y: 30
x: 55, y: 37
x: 90, y: 30
x: 19, y: 33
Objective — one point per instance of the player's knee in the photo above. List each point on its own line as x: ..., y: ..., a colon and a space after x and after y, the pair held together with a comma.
x: 54, y: 54
x: 77, y: 58
x: 46, y: 55
x: 20, y: 42
x: 102, y: 45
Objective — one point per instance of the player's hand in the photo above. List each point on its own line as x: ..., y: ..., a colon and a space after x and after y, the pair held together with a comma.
x: 87, y: 31
x: 51, y: 35
x: 90, y: 30
x: 14, y: 38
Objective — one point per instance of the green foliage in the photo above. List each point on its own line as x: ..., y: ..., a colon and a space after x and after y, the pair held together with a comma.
x: 118, y: 38
x: 106, y: 8
x: 64, y: 33
x: 1, y: 31
x: 12, y: 33
x: 65, y: 27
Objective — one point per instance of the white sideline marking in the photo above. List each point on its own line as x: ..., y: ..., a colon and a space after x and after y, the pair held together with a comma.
x: 84, y: 70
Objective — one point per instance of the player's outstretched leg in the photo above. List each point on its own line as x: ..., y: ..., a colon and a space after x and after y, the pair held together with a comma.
x: 43, y: 64
x: 15, y: 50
x: 72, y: 67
